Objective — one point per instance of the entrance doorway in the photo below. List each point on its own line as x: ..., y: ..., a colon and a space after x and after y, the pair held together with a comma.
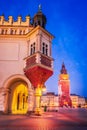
x: 19, y: 103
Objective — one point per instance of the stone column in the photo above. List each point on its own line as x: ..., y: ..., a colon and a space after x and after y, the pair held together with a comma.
x: 38, y: 93
x: 6, y: 106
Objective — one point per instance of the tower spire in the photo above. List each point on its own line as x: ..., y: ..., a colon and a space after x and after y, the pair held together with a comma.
x: 40, y: 8
x: 63, y: 70
x: 39, y: 18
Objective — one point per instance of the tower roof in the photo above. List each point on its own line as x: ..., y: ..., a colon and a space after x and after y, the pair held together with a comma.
x: 39, y: 18
x: 63, y: 69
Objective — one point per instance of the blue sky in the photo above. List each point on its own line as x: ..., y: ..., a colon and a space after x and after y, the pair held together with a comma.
x: 67, y: 21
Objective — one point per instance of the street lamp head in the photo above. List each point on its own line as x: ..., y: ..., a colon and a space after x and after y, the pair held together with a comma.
x: 43, y: 88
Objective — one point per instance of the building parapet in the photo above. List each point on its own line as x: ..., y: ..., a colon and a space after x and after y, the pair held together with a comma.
x: 11, y: 21
x: 11, y: 27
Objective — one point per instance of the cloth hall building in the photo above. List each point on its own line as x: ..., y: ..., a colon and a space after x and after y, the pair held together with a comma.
x: 25, y: 62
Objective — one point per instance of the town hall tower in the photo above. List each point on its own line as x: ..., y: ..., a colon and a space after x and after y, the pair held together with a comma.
x: 64, y: 88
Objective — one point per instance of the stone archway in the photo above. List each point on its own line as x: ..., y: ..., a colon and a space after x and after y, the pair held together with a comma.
x: 17, y: 89
x: 19, y: 100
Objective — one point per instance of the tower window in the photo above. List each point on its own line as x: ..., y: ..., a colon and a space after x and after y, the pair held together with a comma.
x: 43, y: 25
x: 38, y: 22
x: 35, y: 24
x: 32, y: 48
x: 45, y: 48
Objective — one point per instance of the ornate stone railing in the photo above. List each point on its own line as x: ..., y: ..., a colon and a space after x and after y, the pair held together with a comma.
x: 38, y: 58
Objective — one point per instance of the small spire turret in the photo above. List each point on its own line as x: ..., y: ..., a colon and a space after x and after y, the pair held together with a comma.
x: 63, y: 70
x: 39, y: 18
x: 40, y: 8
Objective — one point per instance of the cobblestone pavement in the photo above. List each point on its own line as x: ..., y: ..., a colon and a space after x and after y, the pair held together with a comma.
x: 64, y: 119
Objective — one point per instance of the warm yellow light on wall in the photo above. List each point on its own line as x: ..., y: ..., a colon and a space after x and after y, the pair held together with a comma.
x: 20, y: 99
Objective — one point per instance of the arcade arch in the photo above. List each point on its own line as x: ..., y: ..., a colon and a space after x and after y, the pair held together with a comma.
x: 17, y: 91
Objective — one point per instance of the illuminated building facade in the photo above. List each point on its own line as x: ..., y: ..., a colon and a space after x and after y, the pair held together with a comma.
x: 50, y: 100
x: 25, y: 62
x: 77, y: 101
x: 64, y: 88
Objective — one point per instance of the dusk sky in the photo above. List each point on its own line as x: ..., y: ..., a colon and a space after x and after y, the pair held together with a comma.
x: 67, y: 21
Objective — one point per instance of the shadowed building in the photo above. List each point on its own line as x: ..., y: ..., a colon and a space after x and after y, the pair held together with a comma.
x: 64, y: 88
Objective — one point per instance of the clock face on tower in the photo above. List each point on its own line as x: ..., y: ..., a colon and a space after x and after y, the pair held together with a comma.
x: 64, y: 77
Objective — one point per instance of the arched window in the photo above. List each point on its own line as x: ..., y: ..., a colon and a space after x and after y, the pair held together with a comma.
x: 5, y: 31
x: 32, y: 50
x: 12, y: 31
x: 2, y: 31
x: 45, y: 48
x: 34, y: 47
x: 23, y: 31
x: 15, y: 31
x: 20, y: 32
x: 43, y: 25
x: 35, y: 24
x: 39, y: 23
